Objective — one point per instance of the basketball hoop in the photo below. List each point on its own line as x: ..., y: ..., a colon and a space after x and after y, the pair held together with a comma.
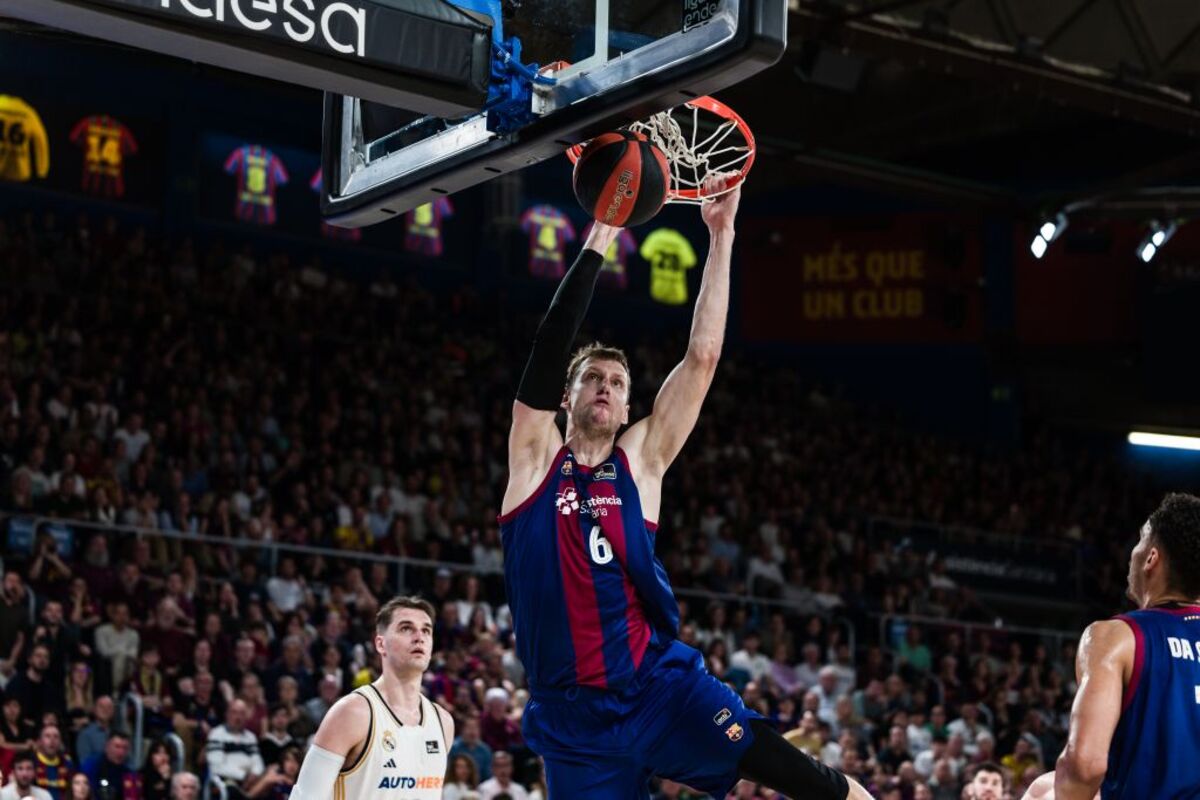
x: 699, y: 138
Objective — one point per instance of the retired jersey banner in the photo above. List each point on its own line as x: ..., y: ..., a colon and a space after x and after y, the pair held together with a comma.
x: 906, y: 278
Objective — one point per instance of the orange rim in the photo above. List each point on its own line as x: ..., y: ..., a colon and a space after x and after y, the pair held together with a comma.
x: 716, y: 107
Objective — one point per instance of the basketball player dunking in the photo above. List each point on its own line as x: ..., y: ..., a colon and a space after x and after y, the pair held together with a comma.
x: 615, y: 697
x: 1135, y: 725
x: 384, y: 739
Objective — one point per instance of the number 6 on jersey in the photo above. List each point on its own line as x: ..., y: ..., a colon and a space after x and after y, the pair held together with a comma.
x: 601, y: 549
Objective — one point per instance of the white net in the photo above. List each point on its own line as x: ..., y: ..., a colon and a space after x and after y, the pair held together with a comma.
x: 696, y: 146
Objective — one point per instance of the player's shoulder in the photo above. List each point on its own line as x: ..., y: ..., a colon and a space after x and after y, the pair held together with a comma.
x: 351, y: 709
x: 1108, y: 637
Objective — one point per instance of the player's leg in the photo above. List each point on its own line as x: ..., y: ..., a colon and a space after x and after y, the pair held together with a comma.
x: 708, y: 739
x: 772, y: 761
x: 581, y: 741
x: 690, y: 727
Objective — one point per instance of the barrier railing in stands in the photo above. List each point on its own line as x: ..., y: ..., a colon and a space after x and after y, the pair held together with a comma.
x: 398, y: 563
x: 213, y: 782
x: 994, y: 563
x: 137, y: 723
x: 178, y: 752
x: 893, y: 627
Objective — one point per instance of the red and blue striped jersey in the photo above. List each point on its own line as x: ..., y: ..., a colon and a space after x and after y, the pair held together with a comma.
x: 587, y: 594
x: 260, y: 173
x: 1153, y: 751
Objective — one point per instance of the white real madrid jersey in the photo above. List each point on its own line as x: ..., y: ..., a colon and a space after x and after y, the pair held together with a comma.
x: 399, y: 762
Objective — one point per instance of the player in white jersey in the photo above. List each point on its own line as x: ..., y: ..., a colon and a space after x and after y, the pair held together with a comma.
x: 384, y: 741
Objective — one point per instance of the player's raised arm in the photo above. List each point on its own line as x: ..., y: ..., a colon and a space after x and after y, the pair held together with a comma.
x: 534, y: 439
x: 1103, y: 667
x: 658, y: 438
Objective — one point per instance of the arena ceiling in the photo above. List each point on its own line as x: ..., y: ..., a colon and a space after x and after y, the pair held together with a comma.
x: 1000, y: 103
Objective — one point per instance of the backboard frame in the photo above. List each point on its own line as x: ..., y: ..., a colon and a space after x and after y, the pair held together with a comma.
x: 424, y: 55
x: 742, y: 38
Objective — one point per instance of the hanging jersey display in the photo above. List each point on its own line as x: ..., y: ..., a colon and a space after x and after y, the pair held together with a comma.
x: 670, y: 255
x: 423, y: 227
x: 24, y: 145
x: 105, y: 142
x: 549, y: 232
x: 260, y: 173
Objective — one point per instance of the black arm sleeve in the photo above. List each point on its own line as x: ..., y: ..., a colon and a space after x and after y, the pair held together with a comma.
x: 542, y: 384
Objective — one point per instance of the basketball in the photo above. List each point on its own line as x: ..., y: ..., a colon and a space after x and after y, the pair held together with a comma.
x: 621, y: 179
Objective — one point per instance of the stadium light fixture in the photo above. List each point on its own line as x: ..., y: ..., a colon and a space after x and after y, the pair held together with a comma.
x: 1164, y: 440
x: 1158, y: 235
x: 1048, y: 231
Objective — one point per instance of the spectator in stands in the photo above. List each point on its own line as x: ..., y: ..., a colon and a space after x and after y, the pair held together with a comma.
x: 232, y: 752
x: 285, y: 591
x: 198, y: 709
x: 469, y: 744
x: 31, y: 687
x: 276, y: 739
x: 276, y: 783
x: 14, y: 622
x: 185, y: 786
x: 987, y: 783
x: 497, y: 729
x: 809, y: 668
x: 156, y: 772
x: 81, y: 788
x: 827, y: 693
x: 119, y: 642
x: 290, y: 664
x: 92, y: 738
x: 926, y: 759
x: 109, y: 772
x: 968, y: 727
x: 256, y: 703
x: 462, y: 776
x: 895, y: 752
x: 22, y: 784
x: 749, y: 659
x: 16, y: 735
x: 171, y: 635
x: 54, y: 766
x: 501, y: 781
x: 328, y: 690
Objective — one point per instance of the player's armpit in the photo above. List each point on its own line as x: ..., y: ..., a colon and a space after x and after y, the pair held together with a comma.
x: 1104, y: 665
x: 533, y: 441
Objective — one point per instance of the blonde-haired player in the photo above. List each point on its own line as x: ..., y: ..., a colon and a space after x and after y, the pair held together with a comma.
x: 384, y: 739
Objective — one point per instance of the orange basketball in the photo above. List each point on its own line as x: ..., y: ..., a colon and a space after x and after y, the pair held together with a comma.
x: 621, y: 179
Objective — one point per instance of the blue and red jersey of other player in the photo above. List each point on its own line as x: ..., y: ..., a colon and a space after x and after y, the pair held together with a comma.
x: 260, y: 173
x: 588, y: 595
x: 1153, y: 750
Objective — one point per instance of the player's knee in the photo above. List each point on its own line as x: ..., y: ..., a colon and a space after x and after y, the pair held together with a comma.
x: 772, y: 761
